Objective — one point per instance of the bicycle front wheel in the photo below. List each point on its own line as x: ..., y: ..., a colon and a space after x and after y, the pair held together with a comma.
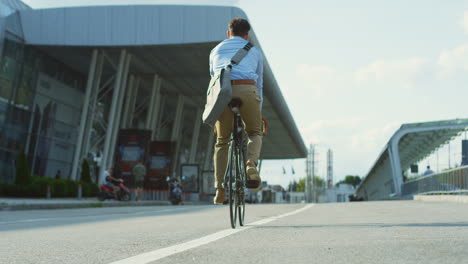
x: 231, y: 188
x: 241, y: 178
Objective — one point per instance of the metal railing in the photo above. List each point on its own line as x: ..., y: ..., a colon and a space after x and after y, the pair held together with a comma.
x: 454, y: 180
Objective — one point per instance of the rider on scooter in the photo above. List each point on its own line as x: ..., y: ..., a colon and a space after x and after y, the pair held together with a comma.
x: 111, y: 182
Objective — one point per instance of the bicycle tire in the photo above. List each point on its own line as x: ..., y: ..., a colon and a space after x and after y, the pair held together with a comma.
x: 232, y: 193
x: 241, y: 186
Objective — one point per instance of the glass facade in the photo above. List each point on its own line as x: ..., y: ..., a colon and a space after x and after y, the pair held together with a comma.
x: 40, y: 105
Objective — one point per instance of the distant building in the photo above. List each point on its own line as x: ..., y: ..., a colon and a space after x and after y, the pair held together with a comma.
x: 296, y: 197
x: 340, y: 193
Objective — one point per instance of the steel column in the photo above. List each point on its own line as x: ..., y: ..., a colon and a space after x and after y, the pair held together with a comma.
x: 116, y: 129
x: 195, y: 136
x: 131, y: 111
x: 176, y: 130
x: 94, y: 101
x: 129, y: 99
x: 209, y: 151
x: 149, y: 112
x: 156, y: 106
x: 178, y: 118
x: 84, y: 115
x: 113, y: 109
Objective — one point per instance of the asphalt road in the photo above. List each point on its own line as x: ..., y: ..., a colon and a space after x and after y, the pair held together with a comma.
x: 371, y: 232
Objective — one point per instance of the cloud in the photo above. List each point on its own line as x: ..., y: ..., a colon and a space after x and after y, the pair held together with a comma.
x: 371, y: 139
x: 454, y: 60
x: 465, y: 22
x: 319, y: 78
x: 403, y: 72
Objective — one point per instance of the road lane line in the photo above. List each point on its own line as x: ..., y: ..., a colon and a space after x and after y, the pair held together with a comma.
x: 175, y: 249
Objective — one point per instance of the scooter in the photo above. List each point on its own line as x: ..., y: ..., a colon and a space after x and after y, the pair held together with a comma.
x: 175, y: 191
x: 123, y: 194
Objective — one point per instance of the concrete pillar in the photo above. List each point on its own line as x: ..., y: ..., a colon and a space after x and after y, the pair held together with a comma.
x: 178, y: 118
x: 159, y: 118
x: 112, y: 114
x: 156, y: 106
x: 94, y: 101
x: 209, y: 151
x: 84, y: 115
x: 195, y: 136
x: 116, y: 129
x: 131, y: 110
x: 129, y: 98
x: 176, y: 130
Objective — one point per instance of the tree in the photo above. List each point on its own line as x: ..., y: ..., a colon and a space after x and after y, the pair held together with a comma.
x: 352, y: 180
x: 318, y: 182
x: 23, y: 173
x: 301, y: 185
x: 293, y: 186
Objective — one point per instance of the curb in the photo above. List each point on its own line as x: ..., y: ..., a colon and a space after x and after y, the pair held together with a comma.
x: 51, y: 206
x: 442, y: 198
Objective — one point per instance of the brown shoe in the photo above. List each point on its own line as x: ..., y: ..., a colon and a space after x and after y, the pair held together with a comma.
x: 253, y: 178
x: 220, y: 196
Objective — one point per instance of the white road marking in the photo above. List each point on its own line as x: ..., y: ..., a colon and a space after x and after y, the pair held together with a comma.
x: 175, y: 249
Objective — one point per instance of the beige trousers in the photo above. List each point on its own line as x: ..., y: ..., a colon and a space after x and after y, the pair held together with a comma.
x: 252, y: 119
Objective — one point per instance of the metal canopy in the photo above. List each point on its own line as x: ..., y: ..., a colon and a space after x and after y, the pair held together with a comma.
x: 171, y: 41
x: 409, y: 145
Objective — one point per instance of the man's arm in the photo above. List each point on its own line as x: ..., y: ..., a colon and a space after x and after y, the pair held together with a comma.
x: 211, y: 64
x: 260, y: 77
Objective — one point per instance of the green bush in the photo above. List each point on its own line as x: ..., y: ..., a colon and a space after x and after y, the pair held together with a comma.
x: 59, y: 188
x: 23, y: 173
x: 38, y: 188
x: 85, y: 171
x: 89, y: 189
x: 72, y: 188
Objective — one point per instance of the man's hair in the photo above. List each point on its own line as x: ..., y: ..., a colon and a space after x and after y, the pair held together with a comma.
x: 239, y: 27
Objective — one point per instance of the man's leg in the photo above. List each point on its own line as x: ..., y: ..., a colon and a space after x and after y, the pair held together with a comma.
x: 252, y: 117
x: 223, y: 132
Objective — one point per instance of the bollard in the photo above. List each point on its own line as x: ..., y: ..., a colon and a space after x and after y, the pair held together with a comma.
x: 80, y: 191
x: 48, y: 192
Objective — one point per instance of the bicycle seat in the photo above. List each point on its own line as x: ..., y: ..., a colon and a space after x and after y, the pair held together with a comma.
x: 235, y: 102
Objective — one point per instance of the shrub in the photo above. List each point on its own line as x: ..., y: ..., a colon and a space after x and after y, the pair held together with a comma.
x: 85, y: 171
x: 38, y: 188
x: 23, y: 173
x: 71, y: 189
x: 59, y: 188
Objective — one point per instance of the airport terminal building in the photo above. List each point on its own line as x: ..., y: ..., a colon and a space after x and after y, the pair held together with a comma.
x: 117, y: 85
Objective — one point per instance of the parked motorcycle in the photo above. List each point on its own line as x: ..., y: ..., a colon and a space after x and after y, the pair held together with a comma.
x: 123, y: 194
x: 175, y: 191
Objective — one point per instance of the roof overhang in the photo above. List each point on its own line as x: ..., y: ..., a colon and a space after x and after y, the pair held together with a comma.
x: 172, y: 41
x: 413, y: 143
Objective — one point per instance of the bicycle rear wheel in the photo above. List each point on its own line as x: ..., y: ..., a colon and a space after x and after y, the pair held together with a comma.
x: 231, y: 187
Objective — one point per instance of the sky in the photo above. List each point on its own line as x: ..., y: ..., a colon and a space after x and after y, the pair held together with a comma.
x: 352, y: 72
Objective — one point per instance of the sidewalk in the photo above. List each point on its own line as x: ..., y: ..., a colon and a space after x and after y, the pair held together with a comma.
x: 442, y: 198
x: 69, y: 203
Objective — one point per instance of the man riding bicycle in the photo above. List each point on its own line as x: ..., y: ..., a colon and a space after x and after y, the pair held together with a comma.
x: 247, y: 84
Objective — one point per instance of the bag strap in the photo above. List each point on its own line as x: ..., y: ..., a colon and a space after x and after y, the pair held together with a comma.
x: 237, y: 58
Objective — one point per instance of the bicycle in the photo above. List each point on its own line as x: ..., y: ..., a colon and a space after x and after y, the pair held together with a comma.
x: 235, y: 175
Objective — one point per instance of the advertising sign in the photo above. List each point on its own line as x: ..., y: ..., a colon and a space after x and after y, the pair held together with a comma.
x: 160, y: 164
x: 132, y: 148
